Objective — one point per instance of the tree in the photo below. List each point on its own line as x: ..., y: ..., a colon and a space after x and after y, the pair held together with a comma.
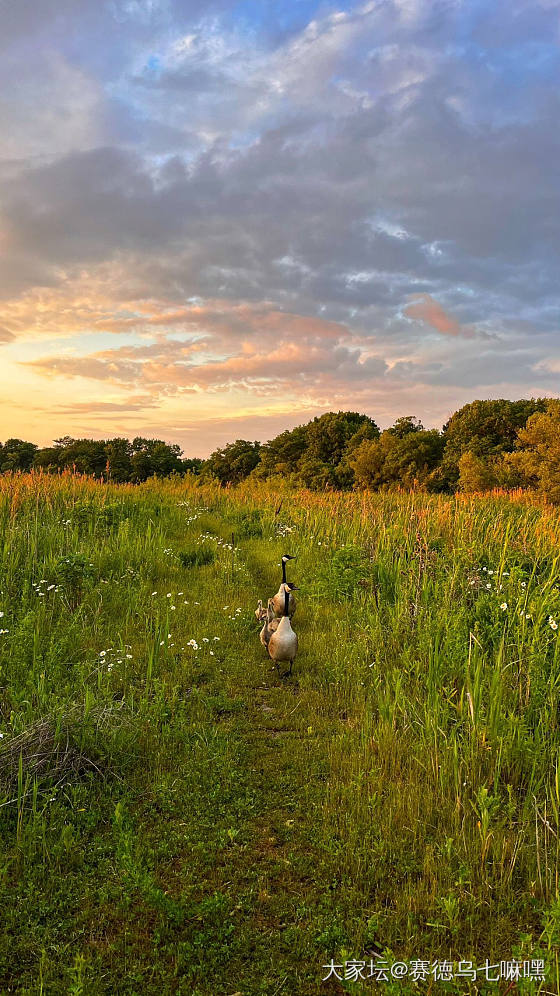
x: 486, y: 429
x: 368, y: 462
x: 118, y: 452
x: 405, y: 425
x: 16, y: 454
x: 538, y: 456
x: 282, y: 454
x: 398, y: 461
x: 47, y: 458
x: 475, y: 473
x: 86, y: 456
x: 329, y: 435
x: 314, y: 474
x: 326, y: 441
x: 153, y: 456
x: 192, y: 465
x: 233, y: 463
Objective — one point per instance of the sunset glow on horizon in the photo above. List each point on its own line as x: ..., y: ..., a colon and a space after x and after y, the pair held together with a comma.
x: 221, y: 219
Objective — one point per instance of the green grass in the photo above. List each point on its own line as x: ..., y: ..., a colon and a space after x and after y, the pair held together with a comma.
x: 212, y: 829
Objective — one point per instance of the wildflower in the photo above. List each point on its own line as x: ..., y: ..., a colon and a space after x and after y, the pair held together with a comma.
x: 488, y: 585
x: 503, y: 606
x: 154, y: 593
x: 523, y: 584
x: 2, y: 631
x: 168, y: 594
x: 172, y: 607
x: 216, y: 637
x: 193, y: 644
x: 211, y: 652
x: 129, y: 657
x: 1, y: 615
x: 102, y: 653
x: 1, y: 735
x: 552, y: 623
x: 161, y: 642
x: 205, y: 639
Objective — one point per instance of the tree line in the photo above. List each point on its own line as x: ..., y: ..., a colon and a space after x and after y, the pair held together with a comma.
x: 485, y: 444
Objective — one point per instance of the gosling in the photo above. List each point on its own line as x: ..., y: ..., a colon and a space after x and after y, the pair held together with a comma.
x: 270, y: 626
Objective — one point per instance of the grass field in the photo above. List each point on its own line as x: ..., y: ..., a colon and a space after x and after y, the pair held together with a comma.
x: 177, y: 819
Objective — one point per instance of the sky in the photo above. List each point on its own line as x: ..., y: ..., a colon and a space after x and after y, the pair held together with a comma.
x: 220, y: 219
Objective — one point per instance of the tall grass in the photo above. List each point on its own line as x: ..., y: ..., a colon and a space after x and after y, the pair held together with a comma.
x: 402, y: 793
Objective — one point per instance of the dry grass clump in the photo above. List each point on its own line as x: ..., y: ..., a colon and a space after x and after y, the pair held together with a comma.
x: 51, y: 750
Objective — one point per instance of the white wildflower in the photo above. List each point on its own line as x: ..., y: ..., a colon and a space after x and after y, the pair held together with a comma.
x: 503, y: 606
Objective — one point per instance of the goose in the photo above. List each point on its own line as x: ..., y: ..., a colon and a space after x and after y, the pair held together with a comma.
x: 270, y: 626
x: 283, y: 642
x: 278, y: 598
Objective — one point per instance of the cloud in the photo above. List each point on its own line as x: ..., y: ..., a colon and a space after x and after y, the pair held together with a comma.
x: 195, y: 201
x: 426, y: 309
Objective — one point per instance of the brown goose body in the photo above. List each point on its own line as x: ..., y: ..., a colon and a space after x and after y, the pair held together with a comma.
x: 283, y: 642
x: 278, y: 601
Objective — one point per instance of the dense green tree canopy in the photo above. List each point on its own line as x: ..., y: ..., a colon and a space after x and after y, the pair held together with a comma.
x: 485, y: 444
x: 16, y: 454
x: 487, y: 429
x: 234, y: 462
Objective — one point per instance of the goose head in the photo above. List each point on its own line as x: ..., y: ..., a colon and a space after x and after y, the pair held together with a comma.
x: 285, y: 558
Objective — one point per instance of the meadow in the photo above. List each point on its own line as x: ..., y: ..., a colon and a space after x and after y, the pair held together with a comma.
x: 175, y: 818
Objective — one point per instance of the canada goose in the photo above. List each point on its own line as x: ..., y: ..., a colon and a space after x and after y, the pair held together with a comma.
x: 283, y: 642
x: 270, y: 626
x: 278, y: 598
